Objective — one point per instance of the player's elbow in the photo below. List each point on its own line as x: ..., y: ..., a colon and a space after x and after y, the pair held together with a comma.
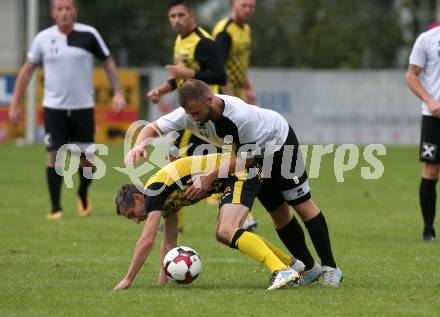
x: 409, y: 78
x: 146, y: 243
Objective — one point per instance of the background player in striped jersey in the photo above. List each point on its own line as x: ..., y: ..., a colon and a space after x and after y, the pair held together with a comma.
x: 195, y: 56
x: 165, y: 194
x: 67, y: 51
x: 233, y: 40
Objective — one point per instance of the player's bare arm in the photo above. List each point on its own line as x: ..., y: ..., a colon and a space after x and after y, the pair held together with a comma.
x: 180, y: 71
x: 169, y: 241
x: 118, y: 100
x: 147, y: 134
x: 201, y: 183
x: 23, y: 79
x: 414, y: 83
x: 142, y: 250
x: 249, y: 92
x: 156, y: 93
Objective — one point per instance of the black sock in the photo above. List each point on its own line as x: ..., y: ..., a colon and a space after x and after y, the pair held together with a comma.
x: 292, y: 235
x: 54, y: 183
x: 318, y: 232
x: 84, y: 184
x: 428, y: 197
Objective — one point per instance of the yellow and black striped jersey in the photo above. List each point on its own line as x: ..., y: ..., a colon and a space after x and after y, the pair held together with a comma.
x: 197, y: 51
x: 233, y: 43
x: 165, y: 190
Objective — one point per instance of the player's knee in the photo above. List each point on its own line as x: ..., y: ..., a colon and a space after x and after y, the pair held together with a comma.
x: 51, y: 158
x: 307, y: 210
x: 431, y: 171
x: 223, y: 235
x: 281, y: 216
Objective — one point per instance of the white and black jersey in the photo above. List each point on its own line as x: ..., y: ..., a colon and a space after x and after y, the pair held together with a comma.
x: 68, y: 65
x: 426, y: 54
x: 284, y: 178
x: 240, y: 124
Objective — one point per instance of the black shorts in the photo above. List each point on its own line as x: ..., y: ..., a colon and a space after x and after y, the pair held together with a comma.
x: 240, y: 190
x: 68, y: 126
x: 430, y: 140
x: 286, y: 180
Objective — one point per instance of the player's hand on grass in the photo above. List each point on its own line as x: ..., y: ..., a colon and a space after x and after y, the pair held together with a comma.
x: 154, y: 95
x: 118, y: 102
x: 199, y: 185
x: 434, y: 107
x: 135, y: 154
x: 14, y: 114
x: 124, y: 284
x: 163, y: 279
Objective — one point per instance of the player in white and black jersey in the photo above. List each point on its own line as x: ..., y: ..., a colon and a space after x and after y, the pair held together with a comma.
x: 423, y: 77
x: 67, y: 51
x: 259, y: 136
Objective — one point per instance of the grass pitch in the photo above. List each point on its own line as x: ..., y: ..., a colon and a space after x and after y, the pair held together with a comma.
x: 69, y: 267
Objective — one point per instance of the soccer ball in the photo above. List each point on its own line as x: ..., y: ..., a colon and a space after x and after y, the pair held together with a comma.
x: 182, y: 264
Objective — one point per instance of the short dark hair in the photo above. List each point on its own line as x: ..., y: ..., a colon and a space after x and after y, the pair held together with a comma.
x: 124, y: 197
x: 185, y: 3
x: 193, y: 89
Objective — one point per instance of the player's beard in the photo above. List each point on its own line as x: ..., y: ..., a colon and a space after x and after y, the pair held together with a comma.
x: 210, y: 112
x: 209, y: 116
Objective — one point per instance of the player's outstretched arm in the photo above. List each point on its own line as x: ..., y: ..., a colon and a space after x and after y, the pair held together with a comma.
x: 118, y: 100
x: 142, y: 250
x: 249, y: 92
x: 23, y: 79
x: 145, y: 137
x: 155, y: 94
x: 169, y: 241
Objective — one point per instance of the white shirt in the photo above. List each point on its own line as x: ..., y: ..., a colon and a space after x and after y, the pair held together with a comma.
x: 244, y: 123
x: 68, y: 65
x: 426, y: 54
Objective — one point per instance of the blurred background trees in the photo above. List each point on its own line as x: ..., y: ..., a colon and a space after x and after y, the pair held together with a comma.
x: 286, y: 33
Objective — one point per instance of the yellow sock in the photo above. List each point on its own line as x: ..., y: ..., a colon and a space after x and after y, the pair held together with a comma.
x: 216, y: 196
x: 284, y: 257
x: 180, y: 219
x: 253, y: 246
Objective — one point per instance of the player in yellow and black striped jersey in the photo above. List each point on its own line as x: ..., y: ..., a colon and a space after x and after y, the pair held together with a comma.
x: 195, y: 56
x: 164, y: 195
x: 165, y: 190
x: 233, y: 40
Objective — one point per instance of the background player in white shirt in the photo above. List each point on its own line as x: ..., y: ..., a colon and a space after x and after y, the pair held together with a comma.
x: 67, y: 51
x: 423, y: 77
